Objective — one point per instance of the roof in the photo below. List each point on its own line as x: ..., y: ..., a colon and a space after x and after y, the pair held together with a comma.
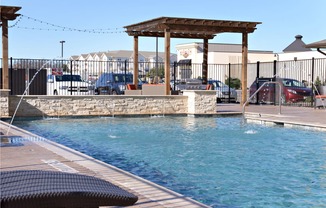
x: 189, y: 27
x: 8, y: 12
x: 318, y: 44
x: 297, y: 45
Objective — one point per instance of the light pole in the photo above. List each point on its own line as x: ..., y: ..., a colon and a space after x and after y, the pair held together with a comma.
x: 62, y: 42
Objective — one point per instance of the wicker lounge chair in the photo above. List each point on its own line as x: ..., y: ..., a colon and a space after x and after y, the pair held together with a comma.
x: 36, y: 188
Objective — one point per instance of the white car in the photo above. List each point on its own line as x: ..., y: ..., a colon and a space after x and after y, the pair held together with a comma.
x: 68, y: 84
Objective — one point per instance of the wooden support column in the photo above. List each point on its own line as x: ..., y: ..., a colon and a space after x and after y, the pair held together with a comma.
x: 135, y: 77
x: 5, y: 71
x: 244, y: 67
x: 205, y: 63
x: 167, y: 61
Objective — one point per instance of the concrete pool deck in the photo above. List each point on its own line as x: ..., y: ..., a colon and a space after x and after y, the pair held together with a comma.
x: 28, y: 151
x: 303, y: 117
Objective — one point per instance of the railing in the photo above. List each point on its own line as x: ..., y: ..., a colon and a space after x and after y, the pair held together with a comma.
x: 265, y: 83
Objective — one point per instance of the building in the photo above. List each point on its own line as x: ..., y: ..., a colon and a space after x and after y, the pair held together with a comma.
x: 219, y: 53
x: 297, y: 51
x: 96, y: 63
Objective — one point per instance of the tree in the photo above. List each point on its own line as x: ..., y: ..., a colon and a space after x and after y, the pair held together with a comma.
x: 153, y: 72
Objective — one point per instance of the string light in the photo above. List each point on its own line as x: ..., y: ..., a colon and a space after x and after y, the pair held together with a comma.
x: 63, y: 28
x: 16, y: 23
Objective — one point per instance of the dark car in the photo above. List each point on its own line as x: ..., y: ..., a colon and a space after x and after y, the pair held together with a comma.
x: 292, y: 91
x: 113, y: 83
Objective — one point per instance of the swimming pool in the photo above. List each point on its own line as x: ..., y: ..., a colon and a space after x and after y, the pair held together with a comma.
x: 222, y: 162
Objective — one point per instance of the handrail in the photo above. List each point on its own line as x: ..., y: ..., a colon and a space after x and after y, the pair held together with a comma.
x: 270, y: 82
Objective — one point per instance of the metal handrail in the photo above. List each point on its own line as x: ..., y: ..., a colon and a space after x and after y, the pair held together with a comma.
x: 270, y: 82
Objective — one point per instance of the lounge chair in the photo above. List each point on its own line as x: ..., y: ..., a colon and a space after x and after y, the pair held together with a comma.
x: 37, y: 188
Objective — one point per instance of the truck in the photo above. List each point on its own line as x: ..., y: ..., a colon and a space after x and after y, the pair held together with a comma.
x: 59, y: 83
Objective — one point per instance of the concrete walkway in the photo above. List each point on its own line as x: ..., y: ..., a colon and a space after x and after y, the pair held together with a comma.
x: 290, y: 116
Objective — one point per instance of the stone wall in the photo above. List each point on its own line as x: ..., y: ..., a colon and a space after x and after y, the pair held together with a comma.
x: 98, y: 105
x: 104, y: 105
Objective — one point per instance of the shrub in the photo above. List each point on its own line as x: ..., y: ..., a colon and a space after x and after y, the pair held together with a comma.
x: 234, y: 83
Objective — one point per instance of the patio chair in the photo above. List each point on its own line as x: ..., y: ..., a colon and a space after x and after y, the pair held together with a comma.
x: 131, y: 87
x: 49, y: 189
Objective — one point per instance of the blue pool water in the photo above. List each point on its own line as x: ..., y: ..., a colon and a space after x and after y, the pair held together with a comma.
x: 222, y: 162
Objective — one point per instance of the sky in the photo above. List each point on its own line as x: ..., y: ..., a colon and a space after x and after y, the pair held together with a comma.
x: 37, y: 34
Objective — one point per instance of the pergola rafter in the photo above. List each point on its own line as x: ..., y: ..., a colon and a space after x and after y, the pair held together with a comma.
x: 175, y: 27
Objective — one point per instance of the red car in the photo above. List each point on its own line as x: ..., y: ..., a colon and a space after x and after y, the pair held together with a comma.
x: 292, y: 91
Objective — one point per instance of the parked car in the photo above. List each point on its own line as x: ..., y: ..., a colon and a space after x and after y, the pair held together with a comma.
x: 292, y: 91
x: 223, y: 91
x: 68, y: 84
x: 114, y: 83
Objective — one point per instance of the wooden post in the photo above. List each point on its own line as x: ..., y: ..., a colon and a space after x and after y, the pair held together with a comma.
x: 5, y: 71
x: 205, y: 63
x: 135, y: 77
x: 244, y: 67
x: 167, y: 61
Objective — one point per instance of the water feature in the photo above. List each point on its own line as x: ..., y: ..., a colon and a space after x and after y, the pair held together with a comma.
x: 221, y: 162
x: 22, y: 96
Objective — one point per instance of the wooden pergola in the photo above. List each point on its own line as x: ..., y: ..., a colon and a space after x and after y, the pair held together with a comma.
x: 318, y: 45
x: 172, y: 27
x: 7, y: 13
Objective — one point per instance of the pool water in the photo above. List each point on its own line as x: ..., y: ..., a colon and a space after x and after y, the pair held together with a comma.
x: 222, y: 162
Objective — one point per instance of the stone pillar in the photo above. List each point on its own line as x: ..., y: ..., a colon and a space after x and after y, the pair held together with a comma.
x: 201, y: 102
x: 4, y: 103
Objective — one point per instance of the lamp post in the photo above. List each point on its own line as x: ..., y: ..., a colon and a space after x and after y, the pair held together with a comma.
x: 62, y: 42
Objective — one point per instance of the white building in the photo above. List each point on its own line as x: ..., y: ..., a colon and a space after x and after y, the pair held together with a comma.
x: 97, y: 63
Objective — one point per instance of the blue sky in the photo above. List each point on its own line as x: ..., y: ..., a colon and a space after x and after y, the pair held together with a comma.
x: 281, y: 21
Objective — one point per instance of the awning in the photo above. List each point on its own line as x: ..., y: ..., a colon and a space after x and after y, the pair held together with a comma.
x: 184, y: 62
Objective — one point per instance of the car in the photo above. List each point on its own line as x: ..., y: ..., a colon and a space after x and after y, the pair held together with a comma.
x: 114, y: 83
x: 67, y: 84
x: 292, y: 91
x: 224, y: 93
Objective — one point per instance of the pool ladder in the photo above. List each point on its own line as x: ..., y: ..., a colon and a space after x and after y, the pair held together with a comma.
x: 265, y: 83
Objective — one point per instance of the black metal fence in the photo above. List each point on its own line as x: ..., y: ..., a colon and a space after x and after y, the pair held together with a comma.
x: 311, y: 72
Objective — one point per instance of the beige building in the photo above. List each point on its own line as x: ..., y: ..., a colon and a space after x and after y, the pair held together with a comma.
x: 219, y: 53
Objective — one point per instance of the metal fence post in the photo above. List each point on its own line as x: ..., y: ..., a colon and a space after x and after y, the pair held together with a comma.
x: 70, y: 76
x: 174, y: 71
x: 125, y: 68
x: 229, y: 83
x: 257, y: 83
x: 10, y: 75
x: 274, y: 79
x: 312, y: 80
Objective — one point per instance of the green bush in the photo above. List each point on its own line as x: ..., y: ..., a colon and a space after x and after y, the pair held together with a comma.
x: 234, y: 83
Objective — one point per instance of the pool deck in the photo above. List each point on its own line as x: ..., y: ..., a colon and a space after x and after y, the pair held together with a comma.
x: 34, y: 152
x: 302, y: 117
